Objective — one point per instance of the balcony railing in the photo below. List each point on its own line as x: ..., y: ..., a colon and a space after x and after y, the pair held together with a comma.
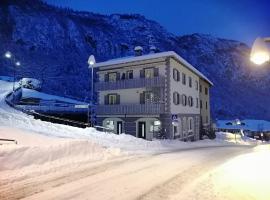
x: 134, y: 109
x: 131, y: 83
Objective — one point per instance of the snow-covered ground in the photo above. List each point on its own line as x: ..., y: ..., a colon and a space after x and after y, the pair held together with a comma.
x: 63, y: 162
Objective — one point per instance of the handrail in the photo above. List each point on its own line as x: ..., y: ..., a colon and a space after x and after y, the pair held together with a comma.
x: 9, y: 140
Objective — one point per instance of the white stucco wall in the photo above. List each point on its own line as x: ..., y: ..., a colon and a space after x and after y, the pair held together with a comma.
x: 183, y: 89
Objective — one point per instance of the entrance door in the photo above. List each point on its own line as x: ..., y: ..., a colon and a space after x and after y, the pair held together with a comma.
x: 142, y: 130
x: 119, y: 127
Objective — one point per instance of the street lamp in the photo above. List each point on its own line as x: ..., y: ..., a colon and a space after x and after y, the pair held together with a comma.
x: 260, y: 53
x: 15, y: 63
x: 91, y: 63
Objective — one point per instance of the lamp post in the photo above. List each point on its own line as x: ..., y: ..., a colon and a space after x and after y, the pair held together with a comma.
x: 91, y: 63
x: 260, y: 53
x: 8, y: 55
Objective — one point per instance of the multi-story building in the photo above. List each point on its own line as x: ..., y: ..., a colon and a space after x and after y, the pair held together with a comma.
x: 205, y: 106
x: 153, y: 95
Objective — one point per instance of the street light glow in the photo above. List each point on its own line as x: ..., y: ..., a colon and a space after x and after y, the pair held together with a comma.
x: 8, y: 54
x: 259, y: 52
x: 18, y: 63
x: 91, y: 60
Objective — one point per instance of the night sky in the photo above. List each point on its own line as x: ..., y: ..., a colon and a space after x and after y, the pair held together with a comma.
x: 241, y: 20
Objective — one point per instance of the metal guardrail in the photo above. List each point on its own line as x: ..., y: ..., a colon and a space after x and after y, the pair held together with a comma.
x: 131, y: 83
x: 8, y: 140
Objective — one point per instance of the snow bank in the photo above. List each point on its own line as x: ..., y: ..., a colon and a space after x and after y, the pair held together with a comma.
x: 35, y: 149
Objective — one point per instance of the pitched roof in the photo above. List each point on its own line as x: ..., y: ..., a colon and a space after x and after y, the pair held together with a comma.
x: 153, y: 56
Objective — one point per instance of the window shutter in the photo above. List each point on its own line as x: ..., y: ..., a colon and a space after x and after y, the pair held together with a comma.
x: 106, y: 99
x: 106, y: 77
x: 142, y: 75
x: 155, y: 72
x: 117, y: 99
x: 142, y: 98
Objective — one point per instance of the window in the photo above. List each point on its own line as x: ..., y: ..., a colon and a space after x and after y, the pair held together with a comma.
x: 112, y: 99
x: 109, y: 124
x: 190, y: 81
x: 201, y: 104
x: 190, y: 124
x: 149, y: 97
x: 197, y: 102
x: 123, y: 77
x: 184, y: 79
x: 197, y: 85
x: 206, y: 91
x: 206, y: 105
x: 184, y: 100
x: 149, y: 72
x: 112, y: 76
x: 129, y: 74
x: 200, y: 88
x: 176, y: 98
x: 190, y: 101
x: 176, y: 75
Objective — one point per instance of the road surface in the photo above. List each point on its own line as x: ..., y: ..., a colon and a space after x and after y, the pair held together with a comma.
x: 199, y: 173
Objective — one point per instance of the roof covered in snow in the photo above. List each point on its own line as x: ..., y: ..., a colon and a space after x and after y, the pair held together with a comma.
x: 153, y: 56
x: 28, y: 93
x: 247, y: 124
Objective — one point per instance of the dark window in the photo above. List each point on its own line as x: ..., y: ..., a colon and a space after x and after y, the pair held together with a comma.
x: 176, y: 98
x: 184, y: 100
x: 206, y: 91
x: 201, y: 104
x: 197, y: 85
x: 123, y: 77
x: 190, y: 101
x: 176, y: 75
x: 190, y: 81
x: 184, y: 78
x: 129, y: 74
x: 200, y: 88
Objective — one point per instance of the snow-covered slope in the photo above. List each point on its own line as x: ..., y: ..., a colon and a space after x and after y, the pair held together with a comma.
x: 53, y: 45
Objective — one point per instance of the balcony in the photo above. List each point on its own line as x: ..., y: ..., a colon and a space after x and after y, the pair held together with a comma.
x: 131, y: 83
x: 134, y: 109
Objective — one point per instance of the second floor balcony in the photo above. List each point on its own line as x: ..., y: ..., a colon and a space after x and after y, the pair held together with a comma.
x: 158, y: 81
x: 134, y: 109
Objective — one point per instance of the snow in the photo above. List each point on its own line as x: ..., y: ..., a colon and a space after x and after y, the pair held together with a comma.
x: 53, y: 161
x: 153, y: 56
x: 247, y: 124
x: 30, y: 83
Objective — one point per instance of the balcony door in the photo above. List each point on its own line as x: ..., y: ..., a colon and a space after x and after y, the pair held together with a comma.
x: 142, y: 130
x: 119, y: 127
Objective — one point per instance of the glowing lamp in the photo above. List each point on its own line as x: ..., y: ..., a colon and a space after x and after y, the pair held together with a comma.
x: 259, y: 52
x: 91, y: 60
x: 8, y: 54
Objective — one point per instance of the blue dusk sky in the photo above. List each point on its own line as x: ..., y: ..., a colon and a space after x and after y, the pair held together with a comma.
x: 241, y: 20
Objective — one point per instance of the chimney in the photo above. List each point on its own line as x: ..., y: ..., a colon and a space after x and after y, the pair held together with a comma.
x: 153, y: 49
x: 138, y: 51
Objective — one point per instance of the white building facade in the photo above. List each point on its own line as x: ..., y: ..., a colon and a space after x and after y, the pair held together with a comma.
x: 150, y: 96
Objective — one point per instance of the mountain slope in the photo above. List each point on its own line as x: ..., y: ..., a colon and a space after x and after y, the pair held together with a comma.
x: 53, y: 44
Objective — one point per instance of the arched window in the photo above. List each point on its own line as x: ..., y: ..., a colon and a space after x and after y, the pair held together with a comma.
x: 176, y: 98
